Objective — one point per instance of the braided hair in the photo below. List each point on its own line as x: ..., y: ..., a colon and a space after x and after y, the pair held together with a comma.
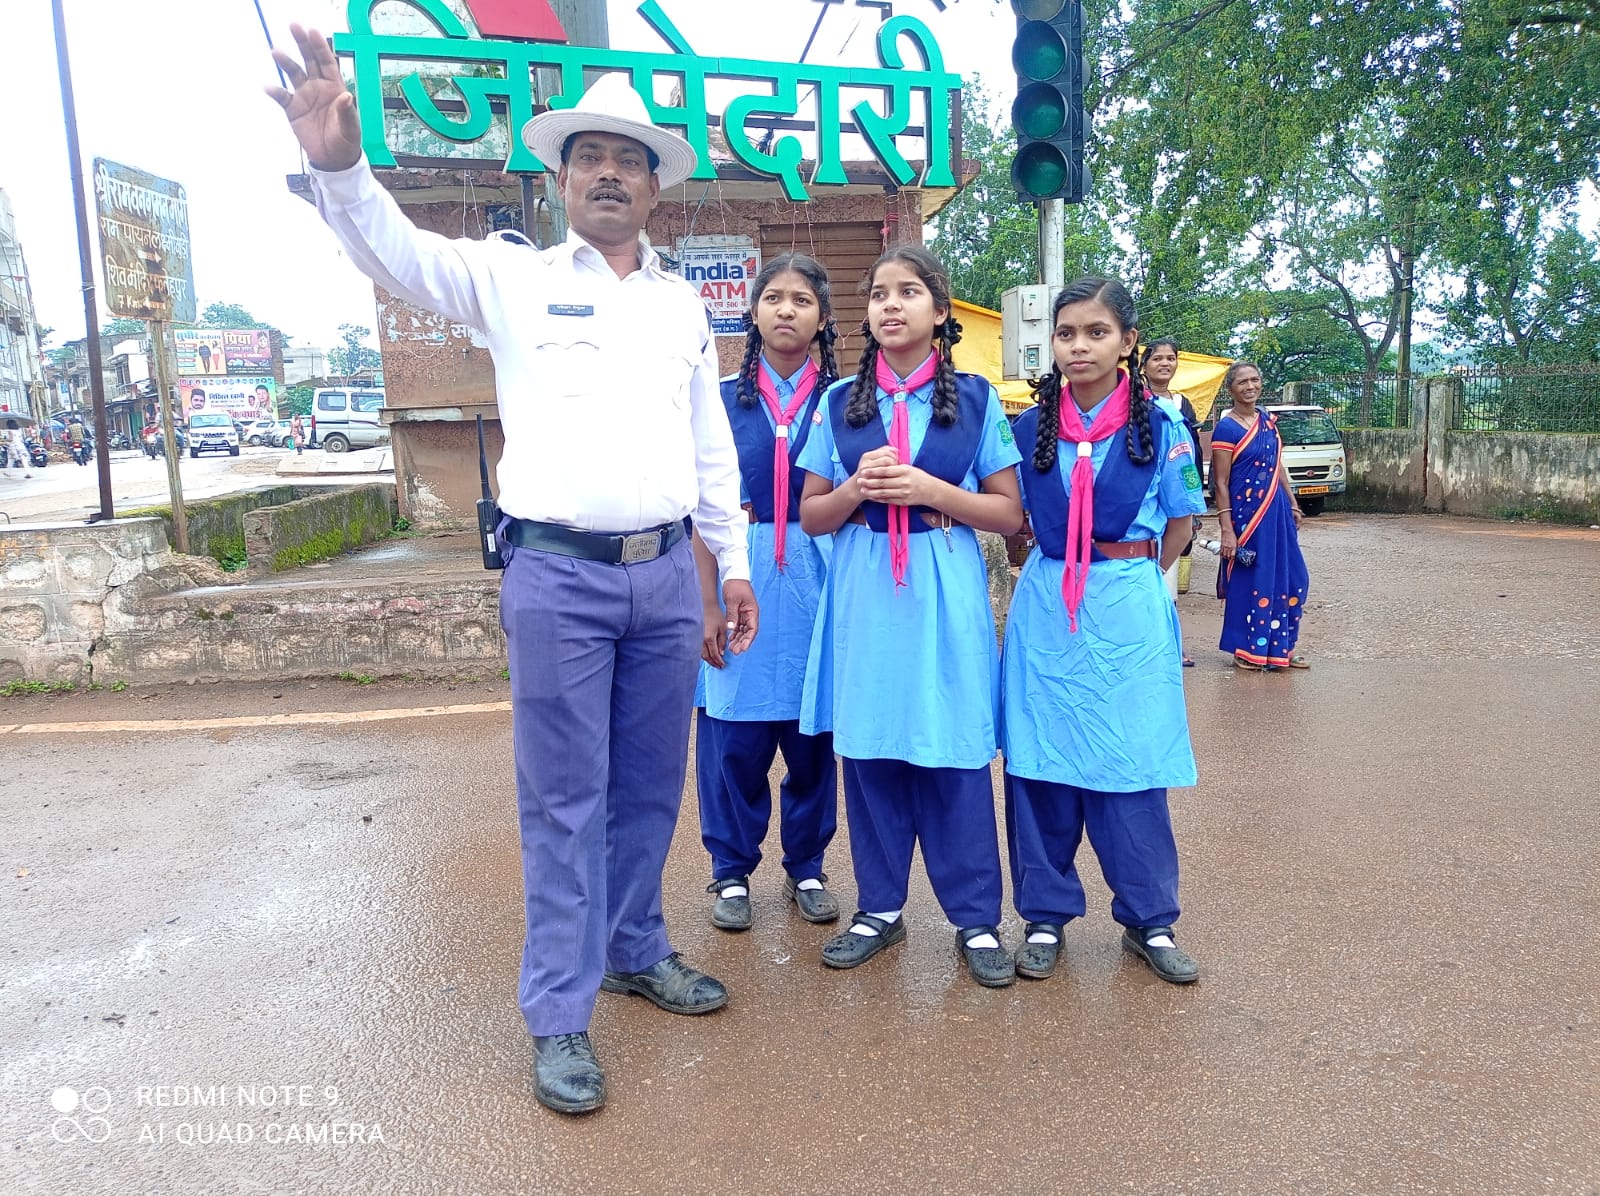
x: 1048, y: 391
x: 862, y: 408
x: 816, y: 278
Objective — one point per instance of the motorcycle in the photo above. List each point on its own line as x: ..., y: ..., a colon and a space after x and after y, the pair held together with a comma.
x: 82, y: 450
x: 36, y: 454
x: 119, y: 440
x: 152, y: 443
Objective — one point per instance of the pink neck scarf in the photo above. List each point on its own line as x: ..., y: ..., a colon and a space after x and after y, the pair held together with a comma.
x: 1080, y: 513
x: 900, y: 439
x: 783, y: 416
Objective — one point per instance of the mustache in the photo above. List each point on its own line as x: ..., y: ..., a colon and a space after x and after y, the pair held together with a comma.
x: 605, y: 191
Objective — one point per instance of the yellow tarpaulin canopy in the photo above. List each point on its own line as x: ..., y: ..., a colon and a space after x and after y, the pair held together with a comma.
x: 1199, y: 374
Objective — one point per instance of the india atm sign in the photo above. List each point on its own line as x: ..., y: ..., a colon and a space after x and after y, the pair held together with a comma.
x: 722, y: 275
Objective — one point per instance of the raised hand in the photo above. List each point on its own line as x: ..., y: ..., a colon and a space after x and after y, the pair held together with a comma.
x: 320, y: 111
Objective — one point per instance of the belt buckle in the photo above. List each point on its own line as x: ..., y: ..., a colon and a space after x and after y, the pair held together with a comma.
x: 641, y: 546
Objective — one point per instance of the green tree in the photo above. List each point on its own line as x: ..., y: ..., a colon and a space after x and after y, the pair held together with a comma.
x: 353, y: 356
x: 122, y: 326
x: 295, y: 400
x: 229, y: 315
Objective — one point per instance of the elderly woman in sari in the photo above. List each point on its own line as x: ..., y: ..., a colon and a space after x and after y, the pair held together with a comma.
x: 1257, y: 510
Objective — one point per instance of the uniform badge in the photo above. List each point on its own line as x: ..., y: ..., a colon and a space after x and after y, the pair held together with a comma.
x: 816, y: 417
x: 1191, y: 477
x: 1006, y: 438
x: 1182, y: 449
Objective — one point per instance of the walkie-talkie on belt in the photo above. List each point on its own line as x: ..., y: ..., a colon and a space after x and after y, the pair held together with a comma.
x: 488, y: 513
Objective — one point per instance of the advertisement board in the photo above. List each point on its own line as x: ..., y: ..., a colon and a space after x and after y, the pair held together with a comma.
x: 723, y: 275
x: 242, y: 398
x: 199, y: 352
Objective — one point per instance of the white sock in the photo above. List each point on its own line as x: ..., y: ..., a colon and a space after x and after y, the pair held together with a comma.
x: 1160, y: 940
x: 734, y: 891
x: 983, y: 940
x: 1042, y: 936
x: 868, y: 932
x: 809, y: 883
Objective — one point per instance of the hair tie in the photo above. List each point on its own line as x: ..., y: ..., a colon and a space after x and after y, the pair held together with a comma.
x: 830, y: 332
x: 952, y: 330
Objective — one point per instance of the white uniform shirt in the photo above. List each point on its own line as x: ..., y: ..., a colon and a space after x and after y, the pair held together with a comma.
x: 607, y: 386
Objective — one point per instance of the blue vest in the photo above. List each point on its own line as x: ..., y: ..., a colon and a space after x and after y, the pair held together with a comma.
x: 946, y: 453
x: 754, y: 437
x: 1119, y: 487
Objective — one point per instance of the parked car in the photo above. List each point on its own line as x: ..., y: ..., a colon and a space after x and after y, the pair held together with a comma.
x: 259, y: 431
x: 1313, y: 450
x: 280, y: 434
x: 212, y: 432
x: 343, y: 418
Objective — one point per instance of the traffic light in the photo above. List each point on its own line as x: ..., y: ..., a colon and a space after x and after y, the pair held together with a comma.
x: 1048, y: 114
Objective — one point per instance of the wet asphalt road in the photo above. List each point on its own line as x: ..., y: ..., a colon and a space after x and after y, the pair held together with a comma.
x: 1390, y: 879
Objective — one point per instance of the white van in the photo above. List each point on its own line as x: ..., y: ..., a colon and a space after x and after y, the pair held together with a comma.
x: 213, y: 432
x: 347, y: 417
x: 1313, y: 451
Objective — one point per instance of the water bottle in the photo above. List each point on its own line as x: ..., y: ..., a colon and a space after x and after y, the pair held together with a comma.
x: 1243, y: 556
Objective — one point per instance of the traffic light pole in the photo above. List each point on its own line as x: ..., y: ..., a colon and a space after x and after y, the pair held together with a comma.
x: 1052, y: 244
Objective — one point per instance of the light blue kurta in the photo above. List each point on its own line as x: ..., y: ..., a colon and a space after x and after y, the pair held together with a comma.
x: 1102, y: 708
x: 764, y: 684
x: 908, y: 673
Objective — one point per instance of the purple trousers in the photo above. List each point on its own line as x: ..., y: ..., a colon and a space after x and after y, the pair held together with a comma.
x: 603, y: 664
x: 893, y: 807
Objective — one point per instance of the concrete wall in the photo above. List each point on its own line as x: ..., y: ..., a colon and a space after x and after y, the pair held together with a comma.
x: 54, y: 586
x: 1523, y: 475
x: 1430, y: 466
x: 216, y: 525
x: 317, y: 527
x: 1385, y: 469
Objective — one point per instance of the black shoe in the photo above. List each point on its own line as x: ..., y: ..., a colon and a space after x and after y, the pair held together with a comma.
x: 815, y: 905
x: 566, y: 1075
x: 1170, y: 963
x: 991, y: 967
x: 1037, y: 961
x: 730, y: 913
x: 672, y: 985
x: 852, y: 950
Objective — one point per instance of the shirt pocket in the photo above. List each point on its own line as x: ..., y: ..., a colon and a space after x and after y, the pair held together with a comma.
x: 677, y: 369
x: 566, y: 361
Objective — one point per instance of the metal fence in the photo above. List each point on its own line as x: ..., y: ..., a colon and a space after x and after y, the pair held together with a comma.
x: 1362, y: 400
x: 1554, y: 398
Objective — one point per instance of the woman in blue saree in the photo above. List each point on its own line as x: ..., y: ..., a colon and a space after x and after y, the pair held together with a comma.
x: 1257, y: 510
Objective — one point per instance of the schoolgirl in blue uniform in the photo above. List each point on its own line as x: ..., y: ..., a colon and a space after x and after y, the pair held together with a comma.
x: 1094, y: 724
x: 904, y: 461
x: 750, y: 704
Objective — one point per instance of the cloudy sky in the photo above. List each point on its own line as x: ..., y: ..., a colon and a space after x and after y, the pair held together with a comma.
x: 173, y: 87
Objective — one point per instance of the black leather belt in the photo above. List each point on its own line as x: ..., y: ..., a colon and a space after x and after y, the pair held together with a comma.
x: 625, y: 548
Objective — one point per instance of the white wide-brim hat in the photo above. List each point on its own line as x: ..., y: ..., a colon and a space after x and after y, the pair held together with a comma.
x: 611, y: 105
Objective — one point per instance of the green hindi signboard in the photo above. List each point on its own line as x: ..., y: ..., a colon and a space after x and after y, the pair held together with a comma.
x: 881, y: 101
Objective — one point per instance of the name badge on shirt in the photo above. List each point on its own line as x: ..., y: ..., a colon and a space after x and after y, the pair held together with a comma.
x: 571, y: 309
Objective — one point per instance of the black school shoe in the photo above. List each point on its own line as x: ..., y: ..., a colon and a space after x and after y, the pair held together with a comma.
x: 991, y: 967
x: 814, y: 905
x: 1037, y: 961
x: 852, y: 950
x: 1170, y: 963
x: 566, y: 1075
x: 730, y: 913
